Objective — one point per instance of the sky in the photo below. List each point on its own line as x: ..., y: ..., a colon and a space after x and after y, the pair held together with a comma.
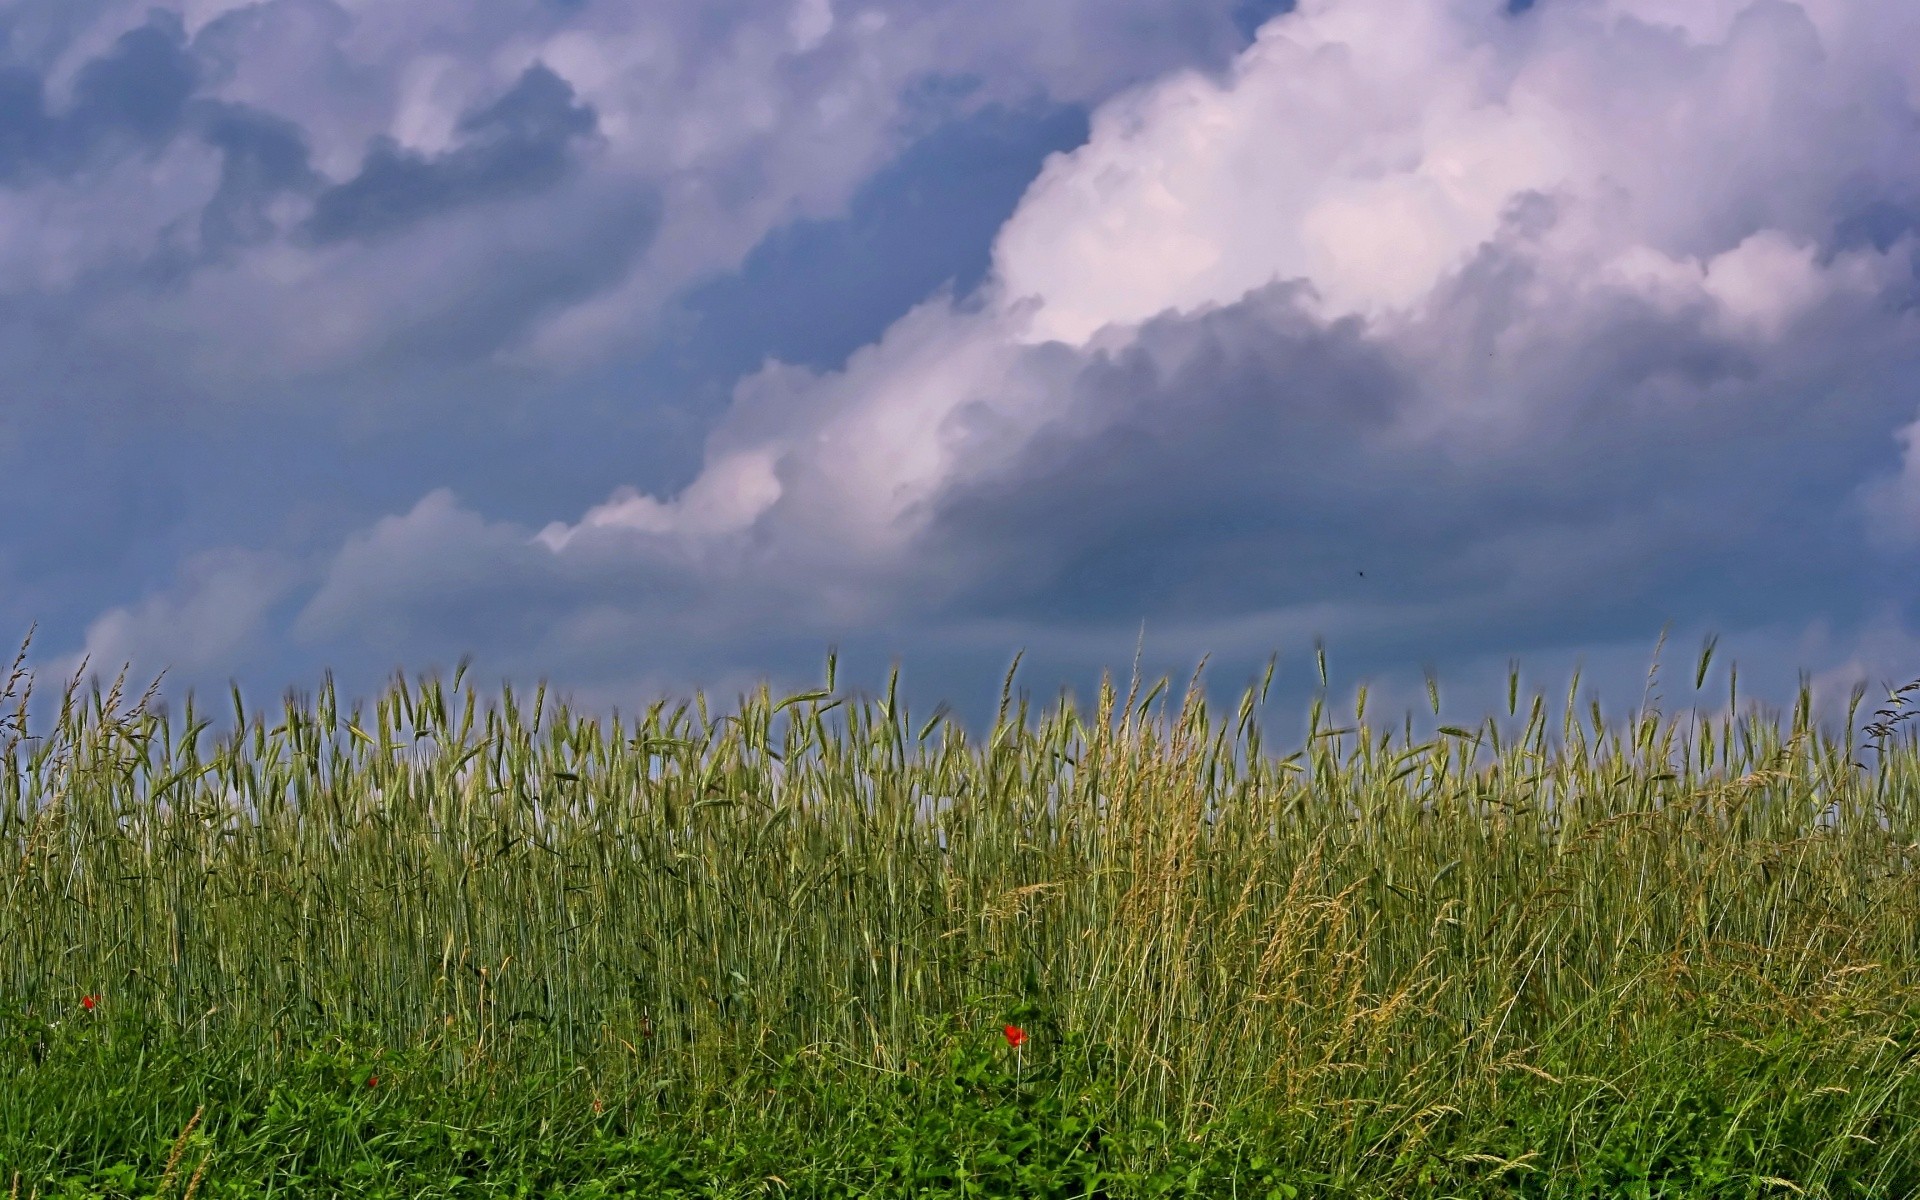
x: 646, y: 348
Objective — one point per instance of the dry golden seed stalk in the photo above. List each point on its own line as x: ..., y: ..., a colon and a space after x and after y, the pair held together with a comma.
x: 193, y: 1184
x: 179, y: 1148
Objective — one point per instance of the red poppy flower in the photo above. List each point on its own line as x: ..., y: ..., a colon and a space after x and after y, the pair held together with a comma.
x: 373, y: 1081
x: 87, y: 1002
x: 1015, y: 1035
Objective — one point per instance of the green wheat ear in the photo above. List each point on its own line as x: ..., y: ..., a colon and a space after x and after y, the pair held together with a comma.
x: 491, y: 885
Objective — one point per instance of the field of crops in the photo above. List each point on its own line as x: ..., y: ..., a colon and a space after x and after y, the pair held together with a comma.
x: 455, y: 945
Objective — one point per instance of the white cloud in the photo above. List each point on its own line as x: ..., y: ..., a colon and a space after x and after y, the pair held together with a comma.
x: 1891, y: 504
x: 438, y: 548
x: 809, y: 23
x: 1766, y: 281
x: 1372, y: 149
x: 435, y: 89
x: 54, y: 236
x: 213, y: 615
x: 727, y: 497
x: 821, y: 475
x: 1366, y: 147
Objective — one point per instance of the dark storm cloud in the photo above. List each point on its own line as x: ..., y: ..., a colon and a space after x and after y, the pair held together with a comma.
x: 520, y: 144
x: 1210, y: 465
x: 24, y: 125
x: 1245, y: 460
x: 517, y: 287
x: 134, y: 95
x: 263, y: 157
x: 140, y: 88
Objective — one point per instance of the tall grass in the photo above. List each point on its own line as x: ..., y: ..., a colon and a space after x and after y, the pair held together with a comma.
x: 1371, y: 944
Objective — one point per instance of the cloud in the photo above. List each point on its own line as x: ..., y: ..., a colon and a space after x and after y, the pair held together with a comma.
x: 1890, y: 504
x: 437, y: 549
x: 263, y: 158
x: 1424, y: 291
x: 1372, y: 148
x: 1417, y: 324
x: 1462, y: 138
x: 217, y: 610
x: 400, y: 216
x: 135, y: 94
x: 516, y: 145
x: 926, y: 220
x: 140, y: 88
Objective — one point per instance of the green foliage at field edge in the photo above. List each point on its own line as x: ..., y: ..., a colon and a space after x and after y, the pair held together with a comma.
x: 105, y: 1115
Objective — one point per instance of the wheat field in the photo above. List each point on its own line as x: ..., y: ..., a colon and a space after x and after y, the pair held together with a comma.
x: 1376, y: 952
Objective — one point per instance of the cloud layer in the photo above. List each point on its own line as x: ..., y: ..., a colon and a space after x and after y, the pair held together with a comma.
x: 1446, y: 332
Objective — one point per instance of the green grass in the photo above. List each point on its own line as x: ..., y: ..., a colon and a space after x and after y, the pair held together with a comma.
x: 461, y: 947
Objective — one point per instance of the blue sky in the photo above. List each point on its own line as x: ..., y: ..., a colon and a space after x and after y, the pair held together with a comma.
x: 650, y: 347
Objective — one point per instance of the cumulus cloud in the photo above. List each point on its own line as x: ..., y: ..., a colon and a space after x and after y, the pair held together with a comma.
x: 1372, y: 148
x: 216, y: 611
x: 223, y: 153
x: 1404, y: 166
x: 252, y: 248
x: 1417, y: 323
x: 1531, y: 316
